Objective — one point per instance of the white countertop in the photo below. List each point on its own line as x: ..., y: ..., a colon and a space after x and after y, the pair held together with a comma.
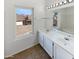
x: 56, y: 35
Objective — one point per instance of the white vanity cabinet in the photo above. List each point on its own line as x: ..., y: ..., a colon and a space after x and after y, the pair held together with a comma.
x: 54, y: 47
x: 49, y: 46
x: 60, y: 53
x: 41, y: 40
x: 46, y: 43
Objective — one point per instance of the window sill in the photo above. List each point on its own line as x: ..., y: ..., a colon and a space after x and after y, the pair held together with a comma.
x: 24, y: 36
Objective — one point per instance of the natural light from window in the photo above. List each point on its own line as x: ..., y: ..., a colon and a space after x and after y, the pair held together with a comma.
x: 23, y: 21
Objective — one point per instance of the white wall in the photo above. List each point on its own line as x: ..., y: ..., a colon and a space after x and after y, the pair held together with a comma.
x: 49, y: 16
x: 13, y: 44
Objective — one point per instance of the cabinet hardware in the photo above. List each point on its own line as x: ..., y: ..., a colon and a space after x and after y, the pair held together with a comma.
x: 53, y: 44
x: 72, y: 58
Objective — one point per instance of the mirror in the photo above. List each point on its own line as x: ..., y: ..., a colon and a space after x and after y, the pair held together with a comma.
x: 64, y: 20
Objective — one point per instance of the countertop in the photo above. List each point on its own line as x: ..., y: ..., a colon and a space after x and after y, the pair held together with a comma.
x: 56, y: 35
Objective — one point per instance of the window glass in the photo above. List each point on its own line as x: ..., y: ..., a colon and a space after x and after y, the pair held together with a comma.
x: 23, y: 21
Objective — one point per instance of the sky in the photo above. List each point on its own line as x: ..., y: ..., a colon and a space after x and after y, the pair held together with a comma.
x: 21, y: 11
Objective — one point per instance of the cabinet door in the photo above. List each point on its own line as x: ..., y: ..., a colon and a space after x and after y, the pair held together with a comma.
x: 48, y: 46
x: 40, y: 35
x: 60, y: 53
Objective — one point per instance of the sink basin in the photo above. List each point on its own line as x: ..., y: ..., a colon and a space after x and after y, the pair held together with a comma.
x: 65, y: 40
x: 60, y: 37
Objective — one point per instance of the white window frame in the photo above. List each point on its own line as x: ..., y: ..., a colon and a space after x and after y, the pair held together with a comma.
x: 32, y: 22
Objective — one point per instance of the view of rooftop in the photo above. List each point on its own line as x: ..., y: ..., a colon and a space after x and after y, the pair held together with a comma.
x: 23, y: 21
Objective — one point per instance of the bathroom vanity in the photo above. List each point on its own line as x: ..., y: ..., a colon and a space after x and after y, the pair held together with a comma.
x: 58, y: 44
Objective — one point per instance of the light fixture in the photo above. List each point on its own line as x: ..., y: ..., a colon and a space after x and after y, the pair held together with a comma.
x: 53, y: 5
x: 65, y: 2
x: 49, y: 7
x: 70, y: 0
x: 60, y: 3
x: 56, y: 4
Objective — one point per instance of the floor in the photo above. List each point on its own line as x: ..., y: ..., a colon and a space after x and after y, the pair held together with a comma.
x: 36, y: 52
x: 22, y: 29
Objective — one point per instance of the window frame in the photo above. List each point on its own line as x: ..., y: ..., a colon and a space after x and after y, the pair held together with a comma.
x: 32, y: 22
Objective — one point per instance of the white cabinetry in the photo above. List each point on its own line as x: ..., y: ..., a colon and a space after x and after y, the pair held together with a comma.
x: 48, y: 46
x: 40, y: 37
x: 60, y: 53
x: 53, y: 48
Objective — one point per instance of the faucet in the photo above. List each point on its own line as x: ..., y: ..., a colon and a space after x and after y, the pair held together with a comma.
x: 66, y: 38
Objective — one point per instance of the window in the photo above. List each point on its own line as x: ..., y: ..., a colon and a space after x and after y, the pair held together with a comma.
x: 23, y: 21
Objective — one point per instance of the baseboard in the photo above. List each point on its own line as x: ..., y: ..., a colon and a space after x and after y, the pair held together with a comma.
x: 11, y: 55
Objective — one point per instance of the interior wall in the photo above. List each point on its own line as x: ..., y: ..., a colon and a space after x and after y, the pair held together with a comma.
x: 14, y: 45
x: 49, y: 20
x: 48, y: 14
